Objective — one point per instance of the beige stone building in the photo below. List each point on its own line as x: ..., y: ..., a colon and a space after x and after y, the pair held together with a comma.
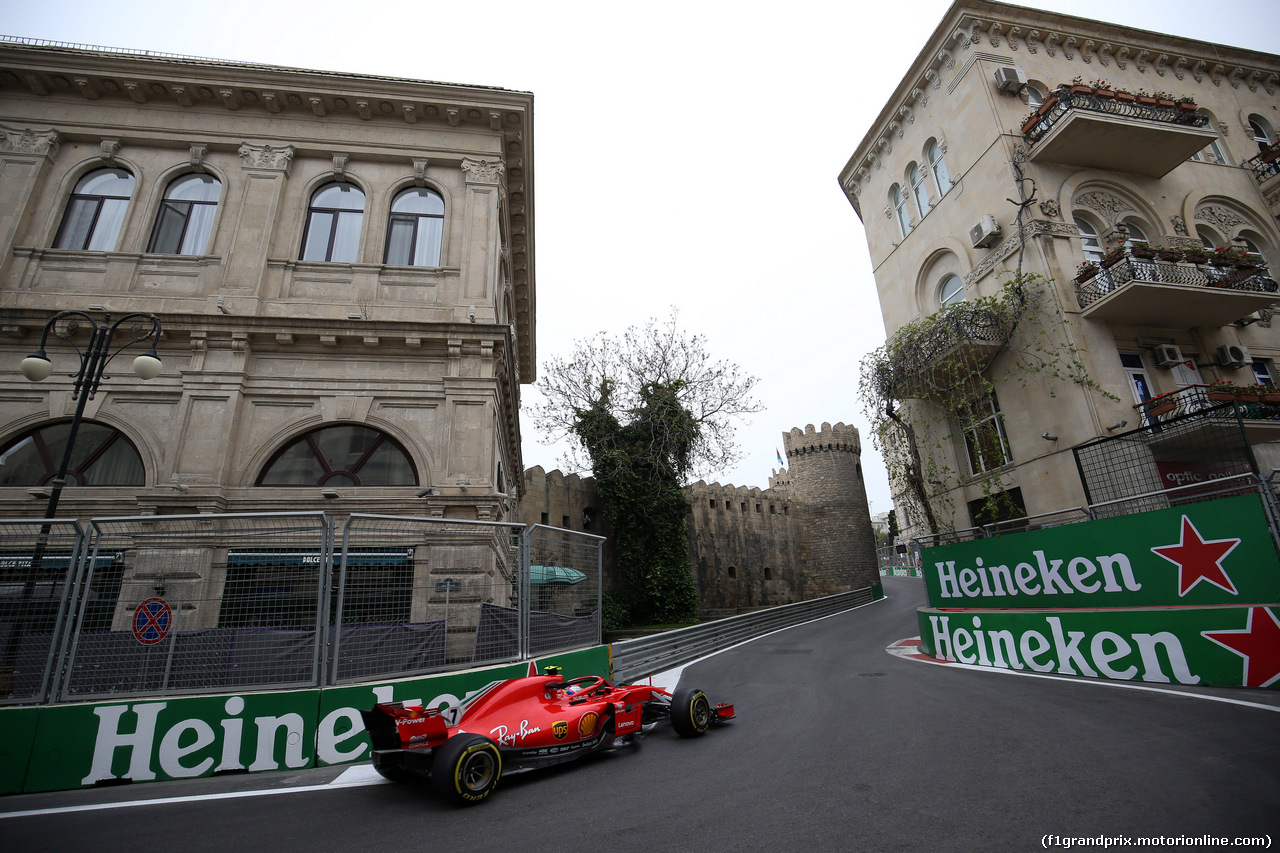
x: 933, y: 181
x: 343, y: 267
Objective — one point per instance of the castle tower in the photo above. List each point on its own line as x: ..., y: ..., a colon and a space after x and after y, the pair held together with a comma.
x: 826, y: 482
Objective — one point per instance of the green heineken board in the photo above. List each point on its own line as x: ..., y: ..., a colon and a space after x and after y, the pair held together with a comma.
x: 1224, y: 646
x: 1214, y: 553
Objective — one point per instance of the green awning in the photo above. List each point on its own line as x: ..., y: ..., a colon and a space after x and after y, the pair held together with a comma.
x: 555, y: 574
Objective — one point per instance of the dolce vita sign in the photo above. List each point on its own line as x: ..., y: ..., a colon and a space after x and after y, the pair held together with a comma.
x: 1188, y: 595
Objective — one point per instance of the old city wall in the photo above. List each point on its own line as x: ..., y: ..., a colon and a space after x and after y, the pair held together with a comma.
x: 807, y: 535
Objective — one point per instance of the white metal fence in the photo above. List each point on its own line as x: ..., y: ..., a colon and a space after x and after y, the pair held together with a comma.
x: 170, y: 605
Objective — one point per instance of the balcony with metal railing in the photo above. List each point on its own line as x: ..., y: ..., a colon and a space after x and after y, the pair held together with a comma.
x: 1103, y: 129
x: 1256, y: 407
x: 1166, y: 290
x: 1265, y: 168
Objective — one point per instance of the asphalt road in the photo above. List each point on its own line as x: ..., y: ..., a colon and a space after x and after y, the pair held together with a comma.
x: 838, y: 746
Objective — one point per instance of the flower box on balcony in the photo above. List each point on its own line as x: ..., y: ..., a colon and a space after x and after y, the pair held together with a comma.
x: 1143, y: 251
x: 1158, y: 409
x: 1126, y: 97
x: 1195, y: 257
x: 1032, y: 121
x: 1104, y: 94
x: 1049, y: 103
x: 1146, y: 100
x: 1171, y: 256
x: 1164, y: 102
x: 1187, y: 106
x: 1221, y: 396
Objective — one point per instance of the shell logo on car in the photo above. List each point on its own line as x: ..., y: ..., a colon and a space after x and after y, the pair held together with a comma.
x: 587, y: 725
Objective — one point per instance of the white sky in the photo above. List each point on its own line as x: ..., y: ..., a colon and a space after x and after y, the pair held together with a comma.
x: 685, y: 154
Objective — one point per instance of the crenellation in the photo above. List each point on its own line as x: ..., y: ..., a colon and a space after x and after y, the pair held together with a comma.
x: 806, y: 535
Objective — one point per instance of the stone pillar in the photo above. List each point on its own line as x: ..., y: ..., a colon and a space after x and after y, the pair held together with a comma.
x: 25, y: 154
x: 481, y: 237
x: 266, y: 169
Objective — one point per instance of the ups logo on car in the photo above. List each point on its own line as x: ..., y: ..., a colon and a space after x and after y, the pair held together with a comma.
x: 560, y: 729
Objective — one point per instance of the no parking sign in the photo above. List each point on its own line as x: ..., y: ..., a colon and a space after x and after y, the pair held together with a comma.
x: 151, y: 621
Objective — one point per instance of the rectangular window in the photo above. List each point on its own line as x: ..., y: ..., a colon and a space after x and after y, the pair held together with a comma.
x: 1262, y: 372
x: 984, y: 437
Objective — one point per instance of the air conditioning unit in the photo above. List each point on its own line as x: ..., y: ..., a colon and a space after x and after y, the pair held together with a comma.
x: 1167, y: 355
x: 1233, y: 355
x: 1010, y: 79
x: 985, y: 233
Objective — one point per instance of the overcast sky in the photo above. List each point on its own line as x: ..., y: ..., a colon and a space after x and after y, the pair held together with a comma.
x: 685, y: 154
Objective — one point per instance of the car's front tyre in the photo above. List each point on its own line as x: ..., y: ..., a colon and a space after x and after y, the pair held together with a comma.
x: 467, y: 768
x: 690, y: 712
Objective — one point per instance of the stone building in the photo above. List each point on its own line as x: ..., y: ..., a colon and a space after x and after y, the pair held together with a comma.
x: 343, y: 267
x: 805, y: 536
x: 1107, y: 176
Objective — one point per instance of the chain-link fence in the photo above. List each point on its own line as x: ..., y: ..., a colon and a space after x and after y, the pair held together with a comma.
x: 39, y: 563
x: 170, y: 605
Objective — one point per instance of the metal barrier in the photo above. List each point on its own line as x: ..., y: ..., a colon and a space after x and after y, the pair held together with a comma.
x: 40, y: 562
x: 1268, y: 491
x: 173, y: 605
x: 646, y: 656
x: 201, y: 604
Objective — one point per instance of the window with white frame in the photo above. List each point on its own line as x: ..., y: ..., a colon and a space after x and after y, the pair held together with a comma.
x: 985, y: 442
x: 186, y: 216
x: 938, y: 167
x: 1262, y: 371
x: 918, y: 188
x: 1263, y: 134
x: 903, y: 215
x: 416, y: 228
x: 951, y: 291
x: 333, y: 224
x: 1089, y: 240
x: 95, y: 212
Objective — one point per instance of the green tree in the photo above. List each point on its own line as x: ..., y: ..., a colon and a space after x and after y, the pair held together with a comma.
x: 648, y: 410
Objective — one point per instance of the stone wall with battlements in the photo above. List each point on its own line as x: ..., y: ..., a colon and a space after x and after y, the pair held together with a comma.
x: 805, y: 536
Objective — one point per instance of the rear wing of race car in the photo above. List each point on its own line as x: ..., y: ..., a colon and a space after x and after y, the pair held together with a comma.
x: 398, y: 726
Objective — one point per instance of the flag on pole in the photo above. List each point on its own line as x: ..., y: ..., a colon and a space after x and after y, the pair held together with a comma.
x: 780, y: 462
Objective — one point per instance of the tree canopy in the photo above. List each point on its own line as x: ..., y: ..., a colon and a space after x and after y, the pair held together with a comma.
x: 614, y: 374
x: 647, y: 410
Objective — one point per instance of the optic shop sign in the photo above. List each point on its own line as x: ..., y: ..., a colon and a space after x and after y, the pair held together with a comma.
x: 1225, y: 646
x: 1218, y: 552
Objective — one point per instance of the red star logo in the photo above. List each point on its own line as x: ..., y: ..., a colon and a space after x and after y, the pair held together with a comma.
x: 1258, y: 644
x: 1199, y: 560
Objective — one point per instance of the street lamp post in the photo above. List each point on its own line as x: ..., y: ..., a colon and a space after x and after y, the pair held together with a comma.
x: 93, y: 362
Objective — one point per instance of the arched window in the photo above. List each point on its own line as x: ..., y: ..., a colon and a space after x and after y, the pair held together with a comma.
x: 1262, y: 132
x: 333, y: 224
x: 1136, y: 234
x: 186, y: 216
x: 102, y: 456
x: 1209, y: 237
x: 416, y: 228
x: 1035, y: 98
x: 900, y: 209
x: 938, y: 166
x: 1089, y: 241
x: 951, y: 291
x: 95, y: 212
x: 918, y: 189
x: 340, y: 455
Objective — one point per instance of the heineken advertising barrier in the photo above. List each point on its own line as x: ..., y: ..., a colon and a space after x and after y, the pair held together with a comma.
x: 71, y: 746
x: 1189, y: 595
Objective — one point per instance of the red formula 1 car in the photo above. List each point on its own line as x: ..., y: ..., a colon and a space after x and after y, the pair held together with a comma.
x: 524, y: 723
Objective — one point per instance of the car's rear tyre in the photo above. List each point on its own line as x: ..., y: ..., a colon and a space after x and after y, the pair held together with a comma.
x: 467, y: 768
x: 690, y: 712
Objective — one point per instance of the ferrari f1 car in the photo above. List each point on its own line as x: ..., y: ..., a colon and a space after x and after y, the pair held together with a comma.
x: 525, y: 723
